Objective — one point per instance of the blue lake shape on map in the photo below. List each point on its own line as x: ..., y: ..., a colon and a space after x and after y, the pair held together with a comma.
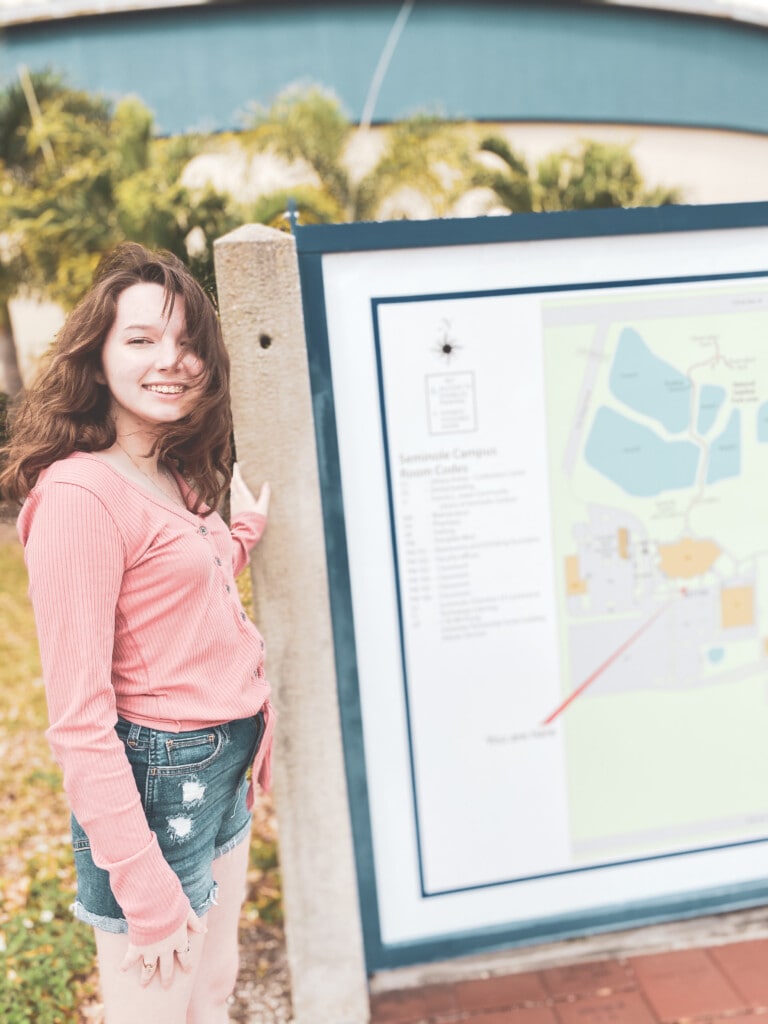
x: 637, y: 460
x: 716, y: 654
x: 710, y: 403
x: 762, y: 423
x: 725, y: 451
x: 650, y: 385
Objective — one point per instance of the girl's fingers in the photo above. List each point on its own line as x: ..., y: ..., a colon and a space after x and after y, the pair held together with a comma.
x: 161, y: 958
x: 166, y: 969
x: 262, y: 502
x: 148, y: 971
x: 132, y: 956
x: 196, y: 924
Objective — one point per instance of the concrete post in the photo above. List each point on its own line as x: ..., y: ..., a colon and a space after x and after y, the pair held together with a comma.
x: 258, y: 284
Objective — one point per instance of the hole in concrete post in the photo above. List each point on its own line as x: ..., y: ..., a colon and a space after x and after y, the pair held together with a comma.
x: 264, y: 340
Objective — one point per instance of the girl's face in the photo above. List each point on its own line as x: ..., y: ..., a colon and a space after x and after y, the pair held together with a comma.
x: 152, y: 376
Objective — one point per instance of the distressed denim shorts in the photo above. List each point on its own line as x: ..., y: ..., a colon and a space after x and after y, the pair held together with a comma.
x: 193, y: 787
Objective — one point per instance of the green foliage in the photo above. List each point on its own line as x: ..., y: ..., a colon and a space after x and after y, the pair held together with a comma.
x: 3, y: 418
x: 307, y: 125
x: 591, y: 175
x: 84, y: 176
x: 23, y: 700
x: 513, y: 186
x: 429, y: 157
x: 263, y: 903
x: 42, y: 195
x: 595, y: 175
x: 48, y: 957
x: 423, y: 154
x: 132, y: 137
x: 263, y: 900
x: 16, y: 154
x: 313, y: 206
x: 27, y: 171
x: 153, y: 207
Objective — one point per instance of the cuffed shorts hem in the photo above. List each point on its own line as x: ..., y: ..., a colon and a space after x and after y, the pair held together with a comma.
x: 237, y: 838
x: 114, y: 925
x: 118, y: 925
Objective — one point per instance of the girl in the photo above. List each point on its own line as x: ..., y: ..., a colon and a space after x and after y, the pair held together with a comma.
x: 154, y: 675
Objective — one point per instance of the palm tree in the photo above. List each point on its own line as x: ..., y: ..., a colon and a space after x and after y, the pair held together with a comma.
x: 513, y: 184
x: 308, y: 126
x: 588, y: 176
x: 24, y: 152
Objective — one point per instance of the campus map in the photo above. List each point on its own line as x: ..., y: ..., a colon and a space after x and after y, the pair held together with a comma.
x: 657, y: 408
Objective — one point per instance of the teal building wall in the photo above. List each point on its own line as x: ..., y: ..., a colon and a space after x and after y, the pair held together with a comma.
x: 201, y: 67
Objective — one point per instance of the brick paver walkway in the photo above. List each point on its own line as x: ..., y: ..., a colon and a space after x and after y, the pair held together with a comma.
x: 716, y: 984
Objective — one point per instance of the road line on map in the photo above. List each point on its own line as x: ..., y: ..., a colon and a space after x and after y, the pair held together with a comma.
x: 606, y: 664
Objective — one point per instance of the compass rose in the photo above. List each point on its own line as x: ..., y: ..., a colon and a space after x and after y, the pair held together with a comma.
x: 446, y: 345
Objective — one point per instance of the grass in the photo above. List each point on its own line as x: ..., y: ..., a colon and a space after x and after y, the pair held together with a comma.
x: 47, y: 958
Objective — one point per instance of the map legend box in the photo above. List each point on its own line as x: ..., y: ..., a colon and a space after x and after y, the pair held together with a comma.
x: 451, y: 403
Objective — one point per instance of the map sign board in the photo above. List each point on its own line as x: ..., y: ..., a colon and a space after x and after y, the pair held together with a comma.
x: 545, y: 468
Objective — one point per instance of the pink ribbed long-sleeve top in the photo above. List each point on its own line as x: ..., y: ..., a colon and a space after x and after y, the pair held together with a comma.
x: 137, y: 615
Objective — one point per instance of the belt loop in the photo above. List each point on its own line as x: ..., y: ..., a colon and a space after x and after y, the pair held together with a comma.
x: 134, y: 734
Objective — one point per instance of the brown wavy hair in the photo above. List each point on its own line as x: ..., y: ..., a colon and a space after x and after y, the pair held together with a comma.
x: 67, y: 410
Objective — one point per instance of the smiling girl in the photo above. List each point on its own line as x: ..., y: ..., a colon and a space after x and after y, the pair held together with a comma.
x: 157, y: 700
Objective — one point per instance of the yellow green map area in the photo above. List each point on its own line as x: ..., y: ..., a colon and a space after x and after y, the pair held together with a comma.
x: 657, y: 407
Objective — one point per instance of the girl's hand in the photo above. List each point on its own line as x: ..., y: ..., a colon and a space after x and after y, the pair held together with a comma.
x: 161, y: 957
x: 242, y: 500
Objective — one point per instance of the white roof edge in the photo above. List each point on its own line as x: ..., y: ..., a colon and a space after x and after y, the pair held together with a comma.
x: 26, y: 12
x: 752, y: 11
x: 23, y: 12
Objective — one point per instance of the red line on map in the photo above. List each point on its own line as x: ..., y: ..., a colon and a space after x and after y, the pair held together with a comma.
x: 606, y: 664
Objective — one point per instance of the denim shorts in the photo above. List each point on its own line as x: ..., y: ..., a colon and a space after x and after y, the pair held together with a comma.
x: 193, y: 786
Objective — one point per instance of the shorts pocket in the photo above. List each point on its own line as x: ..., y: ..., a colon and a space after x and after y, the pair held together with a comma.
x: 80, y: 840
x: 191, y: 751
